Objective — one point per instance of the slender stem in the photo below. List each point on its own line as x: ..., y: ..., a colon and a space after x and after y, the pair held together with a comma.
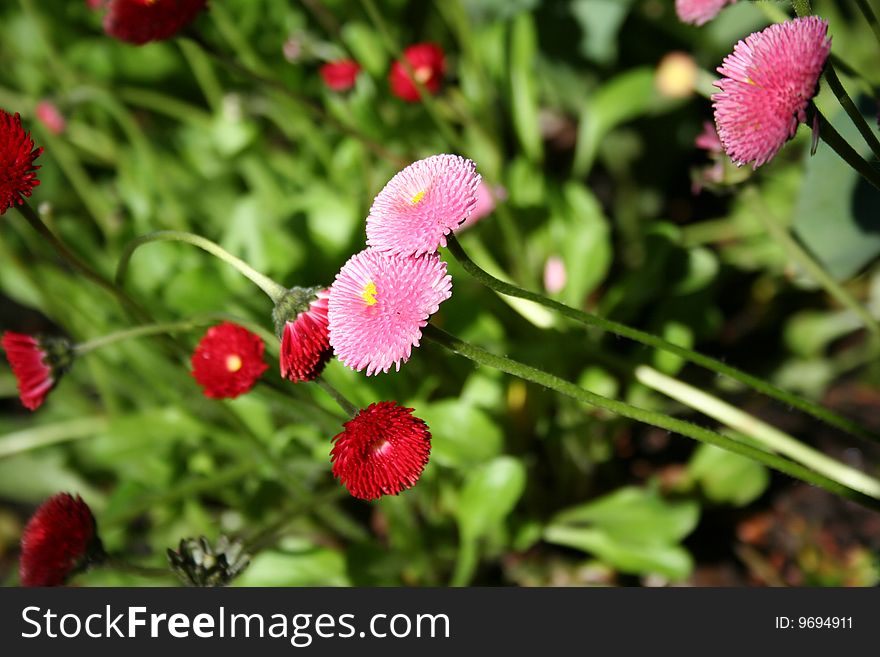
x: 870, y: 16
x: 767, y: 435
x: 661, y: 420
x: 350, y: 409
x: 114, y: 562
x: 135, y: 332
x: 846, y: 152
x: 800, y: 255
x: 802, y: 7
x: 78, y: 264
x: 850, y: 108
x: 272, y: 289
x: 656, y: 342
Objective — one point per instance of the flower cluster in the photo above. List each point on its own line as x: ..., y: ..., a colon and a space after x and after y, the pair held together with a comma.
x: 422, y: 63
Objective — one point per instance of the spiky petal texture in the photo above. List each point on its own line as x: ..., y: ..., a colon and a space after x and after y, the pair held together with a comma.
x: 228, y: 361
x: 37, y: 365
x: 379, y: 304
x: 17, y: 154
x: 142, y: 21
x: 699, y: 12
x: 59, y: 537
x: 769, y: 80
x: 305, y: 342
x: 428, y: 63
x: 422, y: 204
x: 382, y: 451
x: 340, y: 75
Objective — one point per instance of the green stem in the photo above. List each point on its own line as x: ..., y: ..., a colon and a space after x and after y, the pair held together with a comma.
x: 272, y: 289
x: 850, y: 108
x: 870, y: 16
x: 350, y: 409
x: 802, y: 7
x: 114, y: 562
x: 650, y: 340
x: 135, y: 332
x: 846, y: 152
x: 661, y: 420
x: 800, y: 255
x: 767, y: 435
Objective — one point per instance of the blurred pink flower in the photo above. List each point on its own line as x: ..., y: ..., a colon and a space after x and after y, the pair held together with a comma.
x: 422, y: 204
x: 699, y: 12
x: 49, y: 115
x: 769, y: 81
x: 555, y: 275
x: 379, y: 304
x: 487, y: 198
x: 708, y: 140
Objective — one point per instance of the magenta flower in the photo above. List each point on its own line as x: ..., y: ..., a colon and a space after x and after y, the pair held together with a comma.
x: 708, y: 140
x: 379, y: 304
x: 422, y: 204
x: 699, y: 12
x: 769, y: 80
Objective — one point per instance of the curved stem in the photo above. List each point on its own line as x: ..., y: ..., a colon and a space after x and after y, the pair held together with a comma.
x: 350, y: 409
x: 870, y: 16
x: 114, y: 562
x: 768, y: 435
x: 272, y: 289
x: 654, y: 418
x: 809, y: 264
x: 650, y: 340
x: 135, y: 332
x: 846, y: 152
x: 852, y: 111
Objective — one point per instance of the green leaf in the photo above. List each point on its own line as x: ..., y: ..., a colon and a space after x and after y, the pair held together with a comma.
x: 600, y: 21
x: 306, y: 566
x: 489, y: 495
x: 523, y: 87
x: 728, y: 477
x: 461, y: 435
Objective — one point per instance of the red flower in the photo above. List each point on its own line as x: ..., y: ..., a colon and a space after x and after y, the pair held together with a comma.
x: 17, y: 155
x: 141, y: 21
x: 429, y: 66
x: 37, y: 364
x: 305, y: 342
x: 382, y: 451
x: 228, y: 361
x: 59, y: 538
x: 340, y: 75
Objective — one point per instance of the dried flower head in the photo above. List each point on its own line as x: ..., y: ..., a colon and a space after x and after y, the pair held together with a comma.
x: 699, y: 12
x: 428, y: 64
x: 228, y: 361
x: 769, y: 81
x: 340, y: 75
x: 422, y: 204
x: 60, y: 538
x: 37, y: 363
x: 17, y: 154
x: 301, y: 319
x: 379, y: 304
x: 382, y: 451
x: 142, y: 21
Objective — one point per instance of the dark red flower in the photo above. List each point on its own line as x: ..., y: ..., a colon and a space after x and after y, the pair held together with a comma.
x: 37, y: 364
x: 340, y: 75
x: 17, y: 154
x: 228, y: 361
x: 305, y: 341
x: 59, y: 538
x: 429, y: 66
x: 142, y: 21
x: 382, y: 451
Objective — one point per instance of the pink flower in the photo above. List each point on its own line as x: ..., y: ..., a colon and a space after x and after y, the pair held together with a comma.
x: 341, y: 75
x: 487, y: 198
x: 379, y: 304
x: 422, y: 204
x: 49, y: 115
x: 555, y: 275
x: 708, y: 140
x: 699, y: 12
x: 381, y: 451
x: 769, y: 80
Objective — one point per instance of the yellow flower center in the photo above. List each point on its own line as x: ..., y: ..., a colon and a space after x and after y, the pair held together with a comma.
x: 417, y: 197
x: 368, y: 294
x: 233, y: 362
